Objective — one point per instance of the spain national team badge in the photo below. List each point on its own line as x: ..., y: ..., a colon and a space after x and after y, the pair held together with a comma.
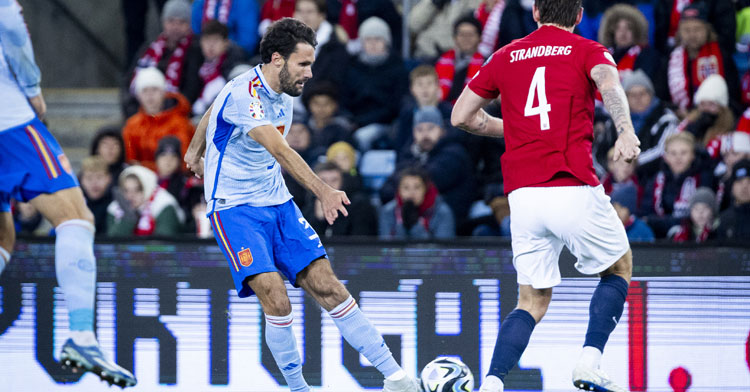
x: 246, y: 258
x: 256, y: 110
x: 65, y: 163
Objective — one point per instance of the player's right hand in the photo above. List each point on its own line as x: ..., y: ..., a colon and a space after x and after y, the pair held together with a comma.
x: 333, y: 202
x: 195, y: 166
x: 627, y: 147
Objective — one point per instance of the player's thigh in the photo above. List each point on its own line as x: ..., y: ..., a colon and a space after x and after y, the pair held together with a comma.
x: 7, y: 229
x: 296, y: 245
x: 63, y: 205
x: 536, y: 251
x: 319, y: 280
x: 592, y: 231
x: 271, y: 292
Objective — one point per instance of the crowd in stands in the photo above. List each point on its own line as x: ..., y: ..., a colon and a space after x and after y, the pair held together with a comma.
x: 376, y: 124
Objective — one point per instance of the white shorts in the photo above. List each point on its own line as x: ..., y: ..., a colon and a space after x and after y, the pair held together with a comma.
x: 542, y: 220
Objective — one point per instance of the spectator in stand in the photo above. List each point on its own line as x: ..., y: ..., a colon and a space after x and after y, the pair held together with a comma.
x: 325, y: 124
x: 161, y: 114
x: 197, y: 217
x: 299, y: 139
x: 734, y: 223
x: 719, y: 13
x: 362, y: 219
x: 652, y: 120
x: 221, y: 56
x: 457, y: 66
x: 331, y: 57
x: 697, y: 56
x: 27, y: 220
x: 169, y: 167
x: 517, y: 21
x: 700, y: 225
x: 731, y: 148
x: 375, y: 83
x: 625, y: 200
x: 497, y: 224
x: 350, y: 14
x: 430, y: 21
x: 417, y: 210
x: 711, y: 117
x: 176, y: 53
x: 345, y: 156
x: 109, y: 145
x: 134, y: 15
x: 142, y: 208
x: 425, y: 91
x: 667, y: 197
x: 624, y: 31
x: 446, y: 161
x: 240, y: 17
x: 489, y: 13
x: 96, y: 184
x: 620, y: 174
x: 274, y: 10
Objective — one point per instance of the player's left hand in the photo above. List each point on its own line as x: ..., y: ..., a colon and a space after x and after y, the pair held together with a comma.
x: 196, y: 167
x: 333, y: 202
x: 626, y: 147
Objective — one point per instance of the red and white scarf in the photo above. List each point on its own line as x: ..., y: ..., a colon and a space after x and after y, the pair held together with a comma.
x: 426, y: 209
x: 674, y: 18
x: 682, y: 203
x: 216, y: 9
x: 211, y: 69
x: 708, y: 62
x: 490, y: 26
x: 627, y: 62
x: 683, y: 234
x: 446, y: 69
x: 146, y: 222
x: 154, y: 54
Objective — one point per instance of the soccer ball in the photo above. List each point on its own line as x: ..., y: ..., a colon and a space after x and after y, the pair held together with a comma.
x: 446, y: 374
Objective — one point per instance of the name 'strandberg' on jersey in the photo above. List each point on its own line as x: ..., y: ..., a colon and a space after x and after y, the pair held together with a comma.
x: 538, y: 51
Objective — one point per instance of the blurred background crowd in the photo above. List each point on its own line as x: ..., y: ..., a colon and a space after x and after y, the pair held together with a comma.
x: 374, y: 119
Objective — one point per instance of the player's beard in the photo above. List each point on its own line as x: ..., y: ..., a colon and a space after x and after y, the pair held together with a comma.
x: 288, y: 85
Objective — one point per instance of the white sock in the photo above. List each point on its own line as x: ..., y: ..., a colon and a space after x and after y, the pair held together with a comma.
x: 283, y: 346
x: 492, y: 383
x: 400, y: 374
x: 84, y: 338
x: 4, y: 259
x: 75, y: 266
x: 590, y: 357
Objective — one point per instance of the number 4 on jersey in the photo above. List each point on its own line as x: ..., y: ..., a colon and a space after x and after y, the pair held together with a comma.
x: 537, y: 88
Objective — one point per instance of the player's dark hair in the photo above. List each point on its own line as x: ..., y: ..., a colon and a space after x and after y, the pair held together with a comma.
x: 559, y: 12
x: 283, y: 36
x: 214, y: 27
x: 467, y: 19
x: 415, y: 171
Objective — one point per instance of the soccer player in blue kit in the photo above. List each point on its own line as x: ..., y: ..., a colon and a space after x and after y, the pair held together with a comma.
x: 34, y: 169
x: 256, y: 224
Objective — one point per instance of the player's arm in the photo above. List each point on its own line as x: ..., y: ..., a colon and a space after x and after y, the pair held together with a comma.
x: 20, y: 55
x: 333, y: 201
x: 468, y: 115
x: 196, y: 149
x: 607, y: 80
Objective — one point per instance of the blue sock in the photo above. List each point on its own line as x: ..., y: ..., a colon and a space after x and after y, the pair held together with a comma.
x: 605, y: 310
x: 512, y: 340
x: 75, y: 266
x: 362, y: 335
x: 283, y: 346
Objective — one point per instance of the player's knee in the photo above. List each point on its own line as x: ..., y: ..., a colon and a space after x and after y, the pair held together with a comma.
x: 276, y: 304
x: 622, y: 267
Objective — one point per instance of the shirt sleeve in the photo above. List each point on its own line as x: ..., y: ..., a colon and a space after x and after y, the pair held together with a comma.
x: 16, y: 43
x: 483, y: 84
x: 596, y: 54
x: 249, y: 108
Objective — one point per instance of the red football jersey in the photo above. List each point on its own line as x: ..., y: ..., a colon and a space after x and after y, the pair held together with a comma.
x: 548, y: 106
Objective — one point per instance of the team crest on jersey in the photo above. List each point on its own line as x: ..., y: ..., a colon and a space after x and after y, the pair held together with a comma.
x: 256, y: 110
x: 65, y: 163
x: 246, y: 257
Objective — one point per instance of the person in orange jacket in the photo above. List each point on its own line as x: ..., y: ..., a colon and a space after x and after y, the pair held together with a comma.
x: 161, y: 114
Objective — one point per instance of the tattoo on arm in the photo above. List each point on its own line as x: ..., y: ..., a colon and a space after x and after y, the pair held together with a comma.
x: 613, y: 96
x: 484, y: 118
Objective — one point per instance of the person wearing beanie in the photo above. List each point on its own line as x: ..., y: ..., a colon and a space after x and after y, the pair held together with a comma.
x: 432, y: 22
x: 734, y: 223
x: 375, y: 82
x: 161, y: 114
x: 700, y: 225
x: 697, y: 56
x: 712, y: 116
x: 653, y: 122
x: 624, y: 31
x: 169, y: 167
x: 720, y: 14
x: 624, y: 200
x: 175, y: 49
x: 241, y: 18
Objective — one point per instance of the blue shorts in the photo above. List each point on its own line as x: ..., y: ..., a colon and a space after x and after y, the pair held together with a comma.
x: 265, y: 239
x: 31, y: 163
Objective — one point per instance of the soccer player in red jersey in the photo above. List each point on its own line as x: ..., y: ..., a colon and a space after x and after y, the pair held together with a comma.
x: 547, y: 82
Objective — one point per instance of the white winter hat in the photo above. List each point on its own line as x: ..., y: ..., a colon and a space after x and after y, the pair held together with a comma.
x: 374, y: 27
x: 149, y: 77
x: 713, y: 89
